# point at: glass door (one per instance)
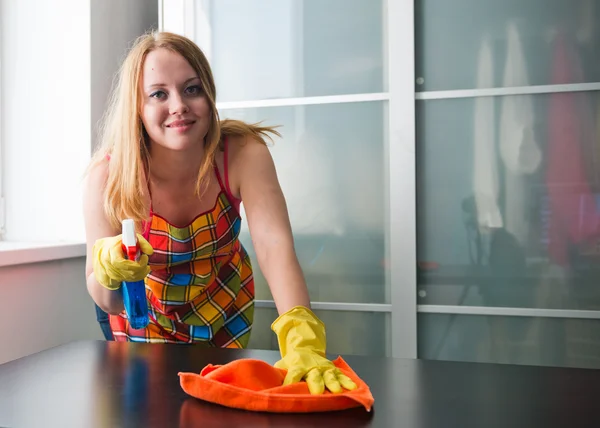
(508, 183)
(441, 164)
(321, 70)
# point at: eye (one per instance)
(193, 90)
(158, 94)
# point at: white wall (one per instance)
(54, 87)
(44, 305)
(114, 26)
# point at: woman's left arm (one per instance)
(300, 333)
(270, 229)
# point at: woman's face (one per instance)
(174, 108)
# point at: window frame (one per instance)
(2, 200)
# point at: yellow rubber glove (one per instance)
(301, 337)
(110, 265)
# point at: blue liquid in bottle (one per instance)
(136, 306)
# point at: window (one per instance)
(2, 203)
(484, 171)
(321, 70)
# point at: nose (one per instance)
(177, 105)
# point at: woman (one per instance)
(168, 162)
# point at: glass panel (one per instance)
(306, 48)
(348, 333)
(509, 201)
(330, 164)
(520, 43)
(512, 340)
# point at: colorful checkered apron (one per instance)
(200, 288)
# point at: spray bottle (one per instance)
(134, 293)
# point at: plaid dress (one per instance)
(201, 287)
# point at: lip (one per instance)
(180, 124)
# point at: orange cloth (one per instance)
(254, 385)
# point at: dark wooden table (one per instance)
(106, 384)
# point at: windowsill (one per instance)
(17, 253)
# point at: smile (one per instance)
(180, 124)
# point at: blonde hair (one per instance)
(124, 139)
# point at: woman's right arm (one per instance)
(96, 227)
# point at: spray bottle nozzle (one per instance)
(129, 240)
